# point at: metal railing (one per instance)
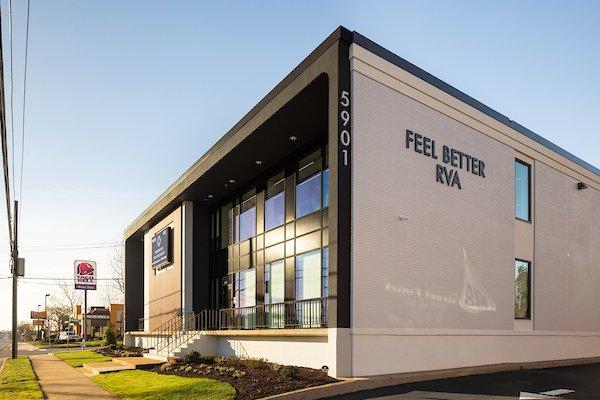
(165, 331)
(311, 313)
(296, 314)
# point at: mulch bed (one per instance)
(252, 379)
(121, 351)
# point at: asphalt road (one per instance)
(579, 382)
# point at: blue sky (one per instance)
(124, 96)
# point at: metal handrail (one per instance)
(311, 313)
(170, 330)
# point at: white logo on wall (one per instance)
(85, 275)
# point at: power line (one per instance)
(62, 279)
(12, 123)
(38, 246)
(24, 102)
(3, 139)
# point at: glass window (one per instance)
(326, 188)
(522, 290)
(308, 275)
(325, 273)
(275, 282)
(247, 218)
(275, 202)
(226, 231)
(522, 190)
(245, 288)
(308, 189)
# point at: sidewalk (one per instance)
(63, 382)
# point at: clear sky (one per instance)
(124, 96)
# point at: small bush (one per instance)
(195, 358)
(110, 339)
(253, 363)
(288, 371)
(192, 357)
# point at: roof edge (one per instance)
(465, 98)
(340, 33)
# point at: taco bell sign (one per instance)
(85, 275)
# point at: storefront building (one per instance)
(97, 320)
(369, 218)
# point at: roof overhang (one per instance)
(262, 134)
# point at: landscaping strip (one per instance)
(251, 378)
(145, 385)
(77, 358)
(18, 381)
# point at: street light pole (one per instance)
(46, 319)
(37, 320)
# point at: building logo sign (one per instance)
(85, 275)
(452, 160)
(161, 248)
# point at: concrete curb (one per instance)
(352, 385)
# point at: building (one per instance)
(368, 217)
(97, 319)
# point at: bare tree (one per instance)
(26, 331)
(57, 315)
(116, 291)
(68, 295)
(110, 294)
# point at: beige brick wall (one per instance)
(450, 265)
(567, 253)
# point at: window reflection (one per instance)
(247, 218)
(275, 202)
(522, 290)
(522, 190)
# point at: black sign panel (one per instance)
(161, 248)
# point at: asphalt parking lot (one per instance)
(578, 382)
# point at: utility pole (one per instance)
(15, 258)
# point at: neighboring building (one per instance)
(97, 318)
(368, 217)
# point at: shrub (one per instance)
(253, 363)
(192, 357)
(288, 371)
(195, 358)
(110, 339)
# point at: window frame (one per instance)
(529, 292)
(526, 164)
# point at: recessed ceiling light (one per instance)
(293, 138)
(232, 181)
(258, 162)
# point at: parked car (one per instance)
(69, 335)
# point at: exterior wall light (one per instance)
(258, 162)
(293, 138)
(581, 186)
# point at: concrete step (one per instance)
(137, 362)
(156, 357)
(105, 367)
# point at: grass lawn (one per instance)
(18, 382)
(89, 343)
(145, 385)
(77, 358)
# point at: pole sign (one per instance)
(161, 248)
(85, 275)
(38, 315)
